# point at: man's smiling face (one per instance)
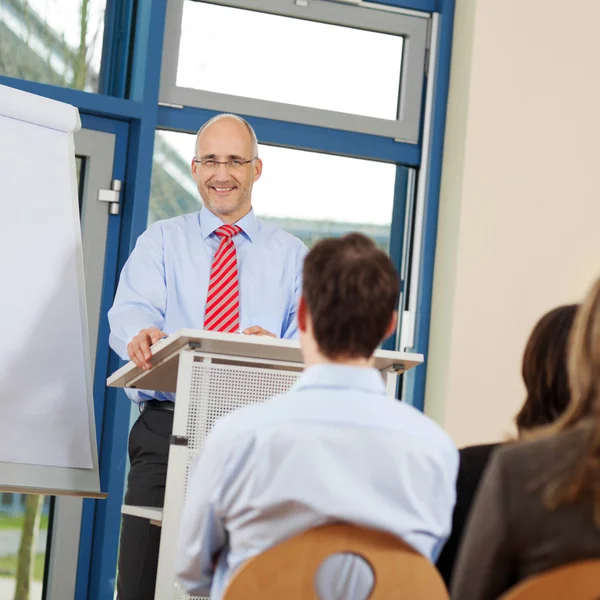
(226, 190)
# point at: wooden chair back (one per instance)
(575, 581)
(289, 569)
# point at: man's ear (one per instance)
(302, 315)
(391, 328)
(258, 168)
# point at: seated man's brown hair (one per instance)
(351, 290)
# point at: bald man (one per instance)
(219, 269)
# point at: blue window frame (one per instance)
(128, 105)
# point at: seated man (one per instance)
(334, 448)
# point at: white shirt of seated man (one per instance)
(335, 448)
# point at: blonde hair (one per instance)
(582, 473)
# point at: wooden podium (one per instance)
(213, 374)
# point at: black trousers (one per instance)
(140, 540)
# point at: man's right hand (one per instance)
(139, 347)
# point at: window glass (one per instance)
(23, 543)
(309, 194)
(52, 41)
(294, 61)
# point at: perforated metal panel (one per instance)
(219, 389)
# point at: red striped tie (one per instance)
(222, 311)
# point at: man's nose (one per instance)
(222, 172)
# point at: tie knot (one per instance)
(228, 231)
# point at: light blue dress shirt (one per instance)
(334, 448)
(165, 280)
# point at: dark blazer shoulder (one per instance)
(474, 459)
(527, 457)
(473, 462)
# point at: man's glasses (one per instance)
(233, 164)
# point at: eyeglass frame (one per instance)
(228, 163)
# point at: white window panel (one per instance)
(326, 64)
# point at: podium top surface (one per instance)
(233, 347)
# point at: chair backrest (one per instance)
(288, 570)
(575, 581)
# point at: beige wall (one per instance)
(519, 227)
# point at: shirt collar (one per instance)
(209, 223)
(342, 376)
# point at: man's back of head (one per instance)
(349, 300)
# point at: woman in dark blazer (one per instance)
(544, 373)
(538, 506)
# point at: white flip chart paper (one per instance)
(45, 375)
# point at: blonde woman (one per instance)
(538, 506)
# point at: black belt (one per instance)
(164, 405)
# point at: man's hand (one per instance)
(256, 330)
(139, 347)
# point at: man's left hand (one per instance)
(256, 330)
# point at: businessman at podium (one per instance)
(220, 269)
